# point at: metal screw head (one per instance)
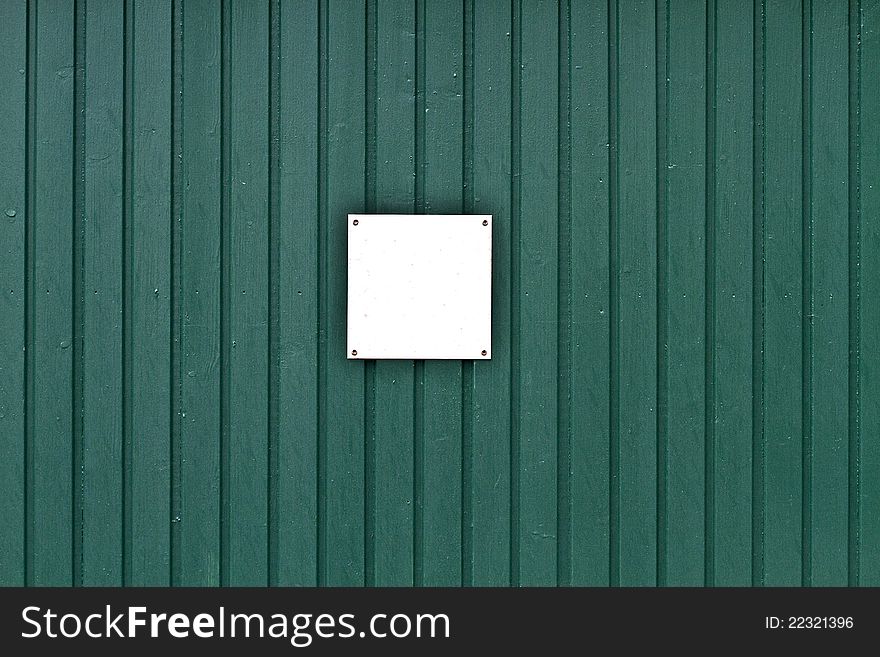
(484, 352)
(354, 352)
(355, 222)
(485, 222)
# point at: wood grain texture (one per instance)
(295, 313)
(147, 293)
(15, 167)
(682, 389)
(635, 252)
(587, 515)
(733, 279)
(829, 311)
(102, 477)
(245, 287)
(864, 39)
(686, 251)
(535, 297)
(783, 289)
(196, 517)
(49, 302)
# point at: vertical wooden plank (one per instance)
(830, 307)
(733, 295)
(589, 295)
(487, 498)
(102, 471)
(197, 458)
(853, 155)
(537, 295)
(868, 135)
(50, 318)
(686, 306)
(807, 300)
(13, 187)
(247, 247)
(759, 238)
(394, 401)
(295, 236)
(783, 284)
(341, 414)
(636, 314)
(442, 175)
(564, 306)
(149, 340)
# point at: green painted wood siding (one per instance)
(685, 387)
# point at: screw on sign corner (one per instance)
(354, 352)
(354, 223)
(485, 223)
(484, 352)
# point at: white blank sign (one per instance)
(419, 286)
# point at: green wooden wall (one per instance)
(685, 387)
